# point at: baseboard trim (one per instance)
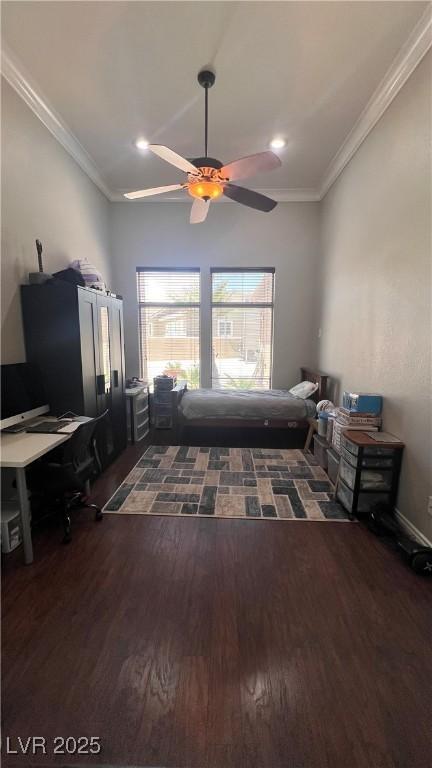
(412, 529)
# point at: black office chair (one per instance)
(62, 480)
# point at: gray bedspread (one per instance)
(244, 404)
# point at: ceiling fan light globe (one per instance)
(205, 190)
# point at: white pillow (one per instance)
(304, 390)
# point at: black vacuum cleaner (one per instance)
(382, 521)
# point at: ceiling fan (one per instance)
(208, 178)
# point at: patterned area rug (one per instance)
(227, 482)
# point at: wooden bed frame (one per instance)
(307, 374)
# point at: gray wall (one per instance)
(45, 194)
(376, 281)
(159, 234)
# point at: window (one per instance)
(225, 328)
(241, 319)
(242, 328)
(169, 324)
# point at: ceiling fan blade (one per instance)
(199, 210)
(172, 157)
(153, 191)
(249, 197)
(250, 165)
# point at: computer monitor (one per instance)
(22, 394)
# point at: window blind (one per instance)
(242, 328)
(169, 323)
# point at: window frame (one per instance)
(170, 304)
(243, 305)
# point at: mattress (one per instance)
(245, 404)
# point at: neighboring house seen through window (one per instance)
(175, 328)
(225, 328)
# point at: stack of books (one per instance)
(348, 419)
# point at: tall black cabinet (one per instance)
(75, 336)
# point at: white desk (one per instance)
(18, 451)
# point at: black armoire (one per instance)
(75, 337)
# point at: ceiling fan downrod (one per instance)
(206, 79)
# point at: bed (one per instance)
(276, 409)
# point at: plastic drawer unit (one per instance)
(138, 423)
(369, 471)
(377, 450)
(363, 501)
(378, 461)
(333, 460)
(162, 402)
(370, 479)
(320, 450)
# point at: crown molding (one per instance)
(402, 67)
(408, 58)
(21, 83)
(281, 195)
(14, 73)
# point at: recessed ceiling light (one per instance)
(277, 143)
(141, 144)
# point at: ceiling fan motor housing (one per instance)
(206, 78)
(207, 162)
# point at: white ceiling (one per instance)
(114, 71)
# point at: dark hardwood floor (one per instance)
(217, 644)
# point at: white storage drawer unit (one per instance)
(138, 422)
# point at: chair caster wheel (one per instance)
(422, 563)
(99, 515)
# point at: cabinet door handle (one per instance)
(116, 378)
(100, 384)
